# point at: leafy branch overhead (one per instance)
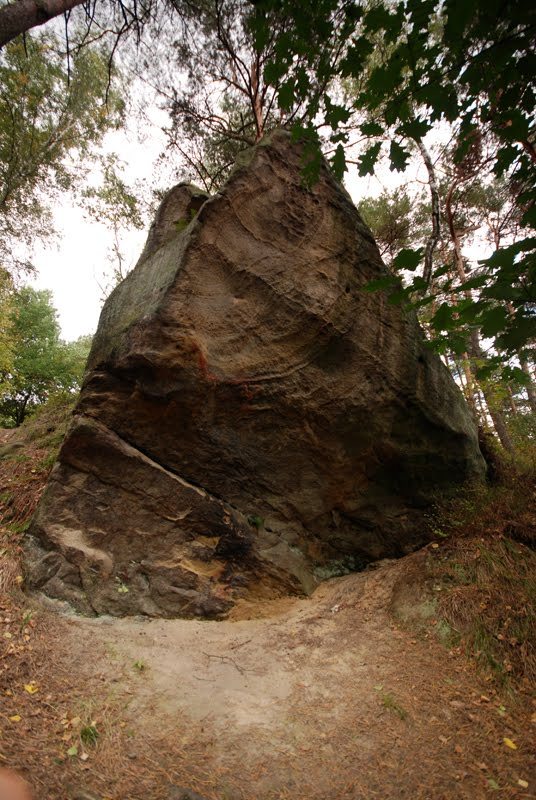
(53, 116)
(407, 70)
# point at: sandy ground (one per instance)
(325, 697)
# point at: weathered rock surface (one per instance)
(251, 420)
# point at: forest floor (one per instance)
(365, 690)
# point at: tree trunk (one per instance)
(531, 394)
(497, 417)
(256, 103)
(436, 219)
(20, 411)
(22, 15)
(511, 399)
(475, 351)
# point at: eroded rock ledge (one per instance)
(251, 420)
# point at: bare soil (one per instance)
(324, 697)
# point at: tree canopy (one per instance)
(53, 115)
(372, 82)
(40, 363)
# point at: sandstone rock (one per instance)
(251, 420)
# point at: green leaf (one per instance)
(371, 129)
(458, 15)
(442, 319)
(384, 80)
(356, 58)
(378, 18)
(407, 258)
(368, 160)
(338, 162)
(518, 335)
(400, 296)
(415, 129)
(398, 157)
(442, 100)
(493, 321)
(418, 284)
(72, 751)
(442, 270)
(473, 283)
(516, 375)
(286, 95)
(335, 113)
(274, 71)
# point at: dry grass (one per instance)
(491, 604)
(486, 570)
(27, 455)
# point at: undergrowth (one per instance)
(27, 454)
(484, 574)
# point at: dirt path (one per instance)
(324, 698)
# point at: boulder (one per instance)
(252, 420)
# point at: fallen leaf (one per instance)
(15, 718)
(482, 766)
(31, 687)
(443, 739)
(523, 784)
(509, 743)
(435, 545)
(19, 579)
(493, 784)
(84, 757)
(458, 748)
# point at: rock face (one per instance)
(251, 420)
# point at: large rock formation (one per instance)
(251, 420)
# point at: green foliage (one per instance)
(6, 330)
(411, 66)
(89, 735)
(393, 222)
(389, 702)
(42, 364)
(113, 202)
(51, 120)
(244, 81)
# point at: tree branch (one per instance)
(22, 15)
